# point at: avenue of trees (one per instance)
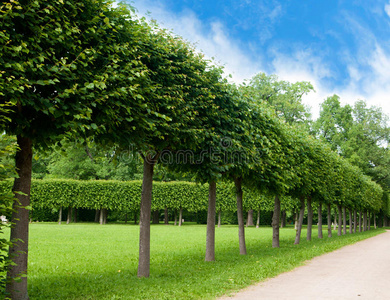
(85, 73)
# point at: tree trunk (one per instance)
(105, 213)
(320, 220)
(18, 252)
(275, 223)
(339, 231)
(344, 220)
(354, 221)
(175, 217)
(219, 218)
(166, 221)
(240, 216)
(360, 221)
(385, 220)
(60, 216)
(69, 218)
(156, 217)
(309, 219)
(180, 216)
(350, 221)
(101, 217)
(258, 219)
(365, 220)
(300, 221)
(335, 219)
(374, 221)
(249, 221)
(136, 213)
(369, 220)
(329, 221)
(210, 238)
(283, 223)
(144, 222)
(296, 220)
(97, 214)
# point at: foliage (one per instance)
(7, 170)
(122, 195)
(285, 97)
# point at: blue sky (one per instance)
(341, 47)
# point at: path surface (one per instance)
(358, 271)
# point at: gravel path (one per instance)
(358, 271)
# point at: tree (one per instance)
(68, 67)
(334, 122)
(284, 96)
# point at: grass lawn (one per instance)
(90, 261)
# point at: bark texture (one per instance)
(249, 221)
(275, 223)
(300, 221)
(320, 220)
(166, 220)
(97, 214)
(360, 221)
(69, 218)
(365, 221)
(309, 219)
(369, 220)
(18, 252)
(144, 222)
(60, 216)
(339, 230)
(180, 216)
(210, 238)
(350, 221)
(136, 213)
(283, 222)
(101, 216)
(344, 220)
(329, 221)
(258, 219)
(240, 216)
(156, 217)
(354, 220)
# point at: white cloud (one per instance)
(387, 9)
(368, 79)
(212, 39)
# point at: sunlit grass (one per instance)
(89, 261)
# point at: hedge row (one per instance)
(126, 195)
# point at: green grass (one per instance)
(89, 261)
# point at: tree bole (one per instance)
(329, 220)
(320, 220)
(309, 219)
(210, 237)
(300, 221)
(240, 216)
(144, 222)
(18, 252)
(275, 223)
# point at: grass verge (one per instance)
(89, 261)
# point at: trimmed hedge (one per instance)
(124, 195)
